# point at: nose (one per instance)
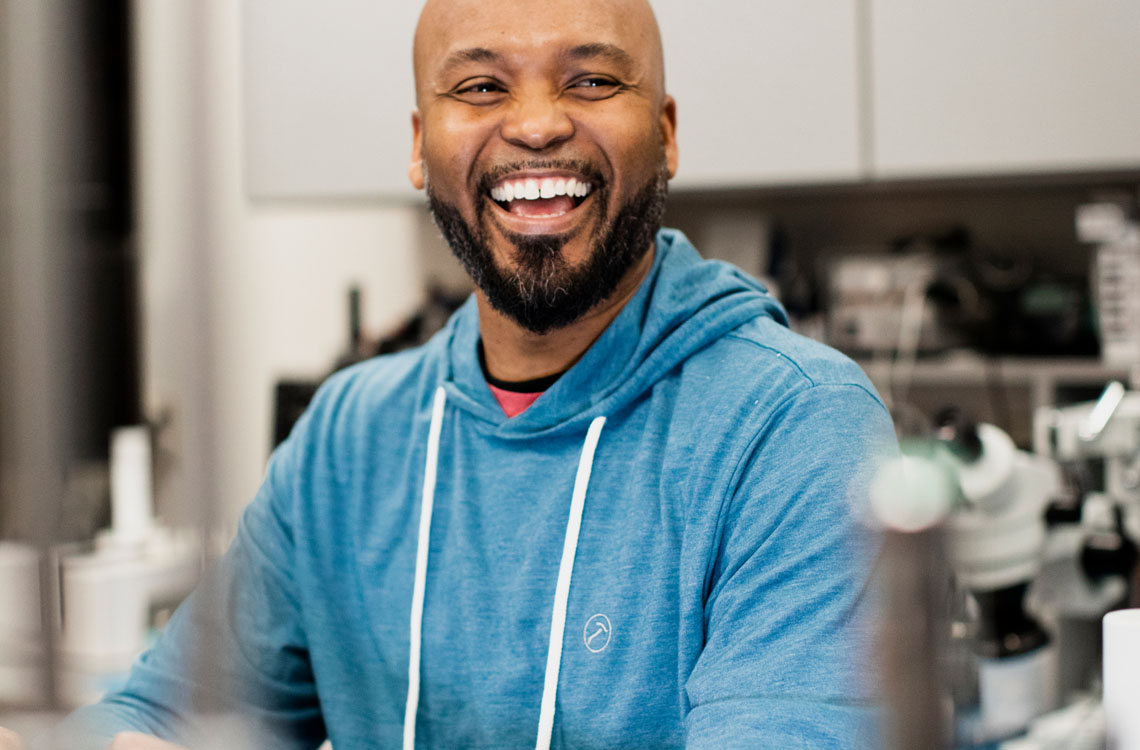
(536, 121)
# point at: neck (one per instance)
(515, 354)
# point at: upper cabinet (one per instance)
(766, 91)
(961, 87)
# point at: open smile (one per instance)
(539, 203)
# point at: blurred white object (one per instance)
(987, 483)
(19, 590)
(132, 487)
(1108, 429)
(997, 536)
(1077, 726)
(111, 599)
(911, 493)
(1016, 690)
(21, 679)
(1122, 678)
(1106, 221)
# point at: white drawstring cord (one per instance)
(413, 704)
(562, 590)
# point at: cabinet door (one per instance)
(766, 91)
(1002, 86)
(328, 97)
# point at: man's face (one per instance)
(545, 140)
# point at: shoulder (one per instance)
(776, 365)
(368, 400)
(384, 381)
(762, 401)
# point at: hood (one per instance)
(683, 304)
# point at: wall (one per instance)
(237, 294)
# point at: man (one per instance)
(612, 504)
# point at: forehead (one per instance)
(507, 28)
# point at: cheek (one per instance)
(450, 148)
(634, 154)
(631, 142)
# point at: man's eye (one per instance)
(595, 87)
(478, 90)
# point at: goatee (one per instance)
(543, 292)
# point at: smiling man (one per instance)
(612, 504)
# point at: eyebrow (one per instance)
(612, 52)
(469, 55)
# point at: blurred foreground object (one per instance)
(9, 741)
(1122, 678)
(910, 499)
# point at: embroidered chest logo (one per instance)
(596, 634)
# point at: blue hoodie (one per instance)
(662, 551)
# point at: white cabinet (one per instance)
(1004, 86)
(766, 91)
(769, 92)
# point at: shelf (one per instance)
(1004, 390)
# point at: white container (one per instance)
(1015, 690)
(21, 648)
(19, 590)
(105, 606)
(1122, 678)
(132, 486)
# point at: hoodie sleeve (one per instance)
(233, 661)
(787, 613)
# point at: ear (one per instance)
(416, 167)
(668, 123)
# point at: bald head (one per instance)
(451, 31)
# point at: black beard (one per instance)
(543, 292)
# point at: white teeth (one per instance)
(535, 189)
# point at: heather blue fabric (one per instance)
(719, 548)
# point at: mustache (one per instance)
(499, 171)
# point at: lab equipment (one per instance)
(996, 664)
(997, 534)
(1107, 430)
(1115, 277)
(1092, 559)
